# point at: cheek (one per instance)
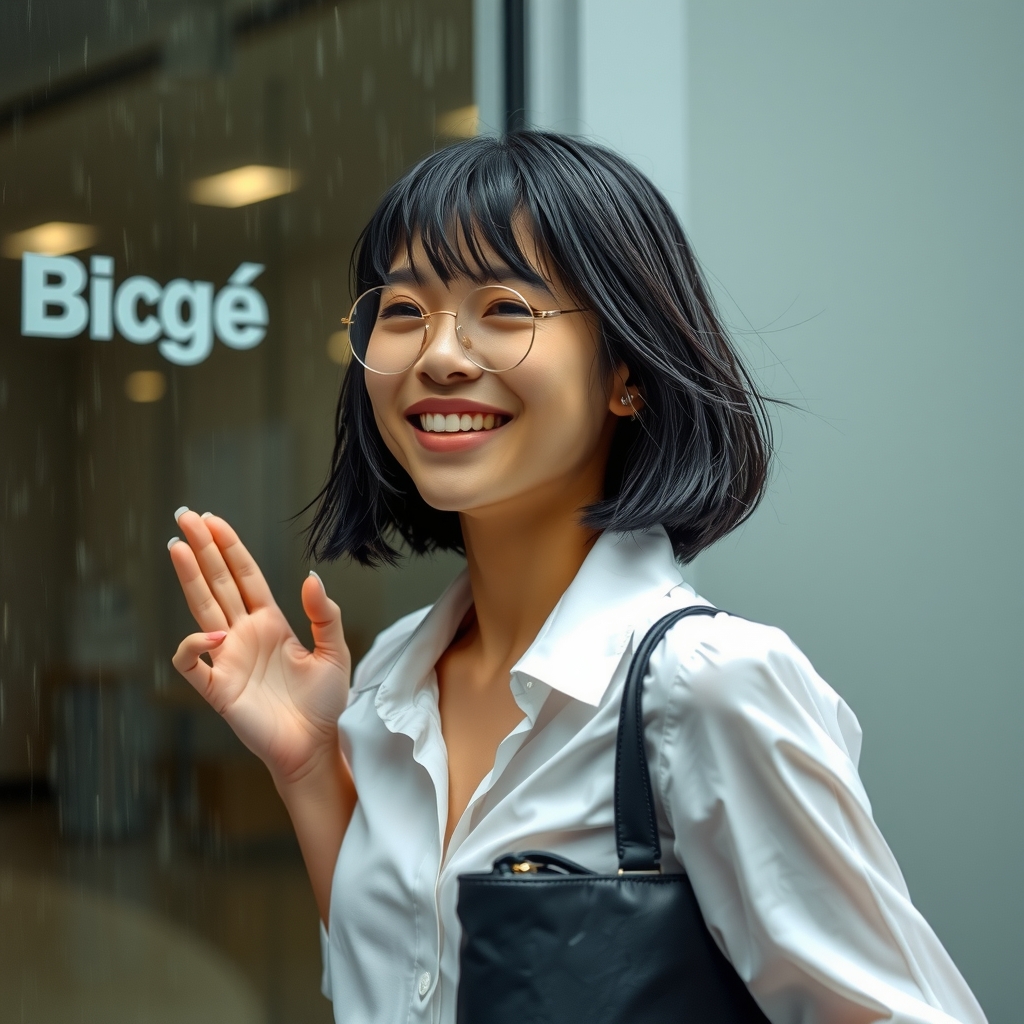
(377, 387)
(383, 394)
(566, 405)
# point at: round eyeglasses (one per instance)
(495, 325)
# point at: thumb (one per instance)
(325, 621)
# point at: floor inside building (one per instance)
(152, 930)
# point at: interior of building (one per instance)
(135, 824)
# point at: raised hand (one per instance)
(281, 699)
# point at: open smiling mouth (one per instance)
(454, 423)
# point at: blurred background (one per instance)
(850, 177)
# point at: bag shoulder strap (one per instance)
(636, 824)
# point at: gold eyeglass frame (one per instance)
(538, 314)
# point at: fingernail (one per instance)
(316, 576)
(216, 636)
(206, 515)
(177, 515)
(172, 542)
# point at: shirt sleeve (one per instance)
(758, 777)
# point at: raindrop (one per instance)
(339, 37)
(81, 557)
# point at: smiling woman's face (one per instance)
(554, 413)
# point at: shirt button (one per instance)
(424, 983)
(529, 684)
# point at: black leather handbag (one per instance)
(545, 940)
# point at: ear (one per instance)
(625, 398)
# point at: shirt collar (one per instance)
(582, 642)
(412, 670)
(579, 647)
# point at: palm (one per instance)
(281, 699)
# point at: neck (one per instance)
(521, 559)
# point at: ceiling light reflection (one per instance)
(244, 185)
(55, 238)
(145, 386)
(338, 349)
(461, 123)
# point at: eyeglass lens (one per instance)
(494, 325)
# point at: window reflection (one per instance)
(146, 864)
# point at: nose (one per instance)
(442, 357)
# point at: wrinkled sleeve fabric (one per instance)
(758, 777)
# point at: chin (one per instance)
(445, 500)
(455, 493)
(456, 488)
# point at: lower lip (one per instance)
(456, 441)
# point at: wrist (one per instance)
(320, 799)
(322, 768)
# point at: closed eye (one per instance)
(508, 307)
(396, 308)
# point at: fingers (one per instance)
(325, 622)
(248, 578)
(187, 661)
(211, 562)
(202, 604)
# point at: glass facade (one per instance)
(181, 189)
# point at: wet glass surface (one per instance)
(190, 181)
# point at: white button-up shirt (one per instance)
(753, 763)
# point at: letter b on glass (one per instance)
(51, 296)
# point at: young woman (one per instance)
(541, 381)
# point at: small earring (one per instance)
(627, 399)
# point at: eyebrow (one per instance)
(500, 275)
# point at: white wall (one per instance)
(856, 182)
(851, 178)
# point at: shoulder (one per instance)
(386, 647)
(748, 677)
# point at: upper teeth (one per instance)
(438, 421)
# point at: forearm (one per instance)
(320, 805)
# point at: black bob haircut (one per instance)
(695, 460)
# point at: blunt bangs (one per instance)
(457, 210)
(695, 460)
